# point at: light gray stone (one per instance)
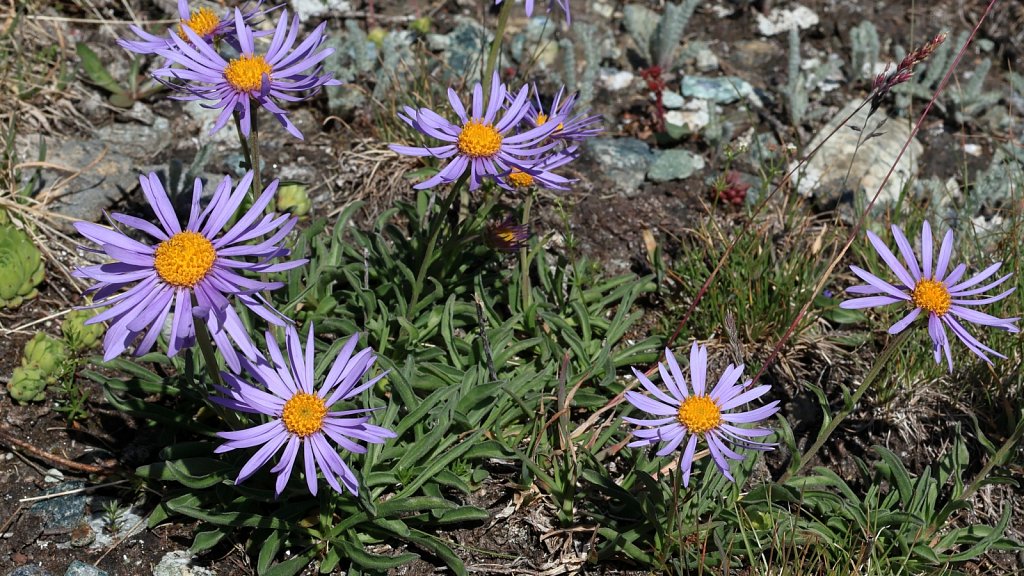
(781, 20)
(672, 100)
(136, 140)
(179, 563)
(622, 162)
(307, 9)
(615, 80)
(79, 568)
(693, 116)
(721, 90)
(86, 177)
(867, 155)
(674, 164)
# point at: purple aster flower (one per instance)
(693, 413)
(572, 128)
(301, 416)
(188, 273)
(940, 292)
(264, 79)
(481, 142)
(539, 173)
(563, 4)
(203, 21)
(507, 235)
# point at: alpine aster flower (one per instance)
(188, 273)
(280, 74)
(507, 235)
(480, 143)
(694, 413)
(539, 174)
(203, 21)
(563, 4)
(300, 415)
(939, 293)
(573, 128)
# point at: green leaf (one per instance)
(95, 70)
(897, 473)
(462, 514)
(440, 549)
(372, 561)
(292, 566)
(206, 540)
(269, 546)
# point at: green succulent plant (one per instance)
(45, 353)
(27, 384)
(21, 267)
(293, 198)
(79, 336)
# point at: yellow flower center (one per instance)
(699, 414)
(304, 414)
(246, 72)
(479, 140)
(508, 236)
(184, 259)
(933, 296)
(519, 179)
(542, 119)
(203, 22)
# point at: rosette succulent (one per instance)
(45, 353)
(27, 385)
(80, 336)
(21, 267)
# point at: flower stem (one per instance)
(492, 56)
(435, 231)
(999, 456)
(876, 368)
(524, 254)
(206, 347)
(251, 152)
(254, 149)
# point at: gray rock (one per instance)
(179, 563)
(467, 42)
(674, 164)
(721, 90)
(672, 100)
(206, 118)
(706, 60)
(783, 19)
(79, 568)
(539, 33)
(136, 140)
(62, 511)
(29, 570)
(315, 8)
(92, 176)
(615, 80)
(621, 161)
(824, 177)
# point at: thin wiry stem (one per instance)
(881, 360)
(855, 232)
